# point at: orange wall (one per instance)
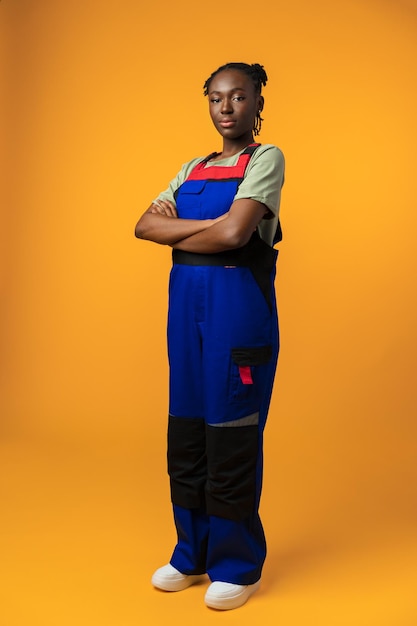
(104, 102)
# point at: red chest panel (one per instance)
(219, 172)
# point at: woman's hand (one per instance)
(164, 207)
(157, 225)
(221, 218)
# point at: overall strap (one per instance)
(202, 171)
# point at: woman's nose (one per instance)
(226, 106)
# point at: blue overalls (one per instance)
(223, 347)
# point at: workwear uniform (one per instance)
(223, 347)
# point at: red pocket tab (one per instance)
(245, 374)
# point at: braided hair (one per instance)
(255, 72)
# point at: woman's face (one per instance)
(233, 104)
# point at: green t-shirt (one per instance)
(263, 180)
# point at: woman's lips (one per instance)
(227, 123)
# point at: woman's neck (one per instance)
(232, 147)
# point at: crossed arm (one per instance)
(160, 223)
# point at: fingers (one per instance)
(164, 207)
(221, 218)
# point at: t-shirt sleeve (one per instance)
(182, 175)
(264, 178)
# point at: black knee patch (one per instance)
(187, 463)
(232, 454)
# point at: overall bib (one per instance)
(223, 348)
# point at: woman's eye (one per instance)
(215, 100)
(239, 98)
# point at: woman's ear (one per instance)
(260, 103)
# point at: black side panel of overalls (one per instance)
(187, 465)
(232, 454)
(261, 259)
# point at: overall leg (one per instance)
(239, 369)
(187, 464)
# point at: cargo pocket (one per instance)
(247, 379)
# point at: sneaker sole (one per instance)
(231, 602)
(176, 585)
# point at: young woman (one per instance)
(220, 216)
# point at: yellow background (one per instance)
(101, 103)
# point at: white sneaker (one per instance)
(229, 596)
(168, 578)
